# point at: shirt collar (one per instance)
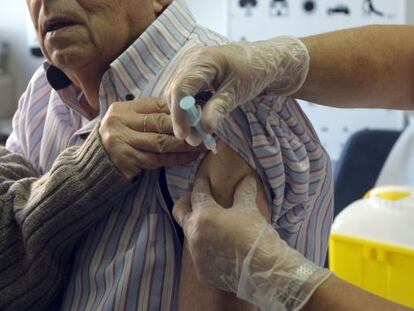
(131, 72)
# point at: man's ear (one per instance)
(160, 5)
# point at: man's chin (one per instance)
(70, 58)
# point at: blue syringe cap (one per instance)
(188, 104)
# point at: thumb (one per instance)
(216, 109)
(246, 193)
(193, 139)
(201, 197)
(182, 210)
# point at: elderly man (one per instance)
(86, 176)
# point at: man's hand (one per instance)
(138, 135)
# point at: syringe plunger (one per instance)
(188, 104)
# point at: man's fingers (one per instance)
(159, 143)
(149, 105)
(182, 210)
(246, 193)
(150, 123)
(126, 161)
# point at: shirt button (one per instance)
(84, 136)
(129, 97)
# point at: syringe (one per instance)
(188, 104)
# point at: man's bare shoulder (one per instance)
(225, 170)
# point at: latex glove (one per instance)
(238, 251)
(236, 74)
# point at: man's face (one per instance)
(77, 33)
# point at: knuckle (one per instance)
(114, 108)
(110, 138)
(159, 105)
(111, 119)
(163, 123)
(162, 143)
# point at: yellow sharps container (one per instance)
(372, 244)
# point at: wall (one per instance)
(13, 29)
(13, 23)
(211, 13)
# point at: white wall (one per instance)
(211, 13)
(13, 30)
(13, 23)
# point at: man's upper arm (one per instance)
(272, 140)
(224, 171)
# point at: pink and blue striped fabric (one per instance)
(131, 259)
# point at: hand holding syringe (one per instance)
(193, 112)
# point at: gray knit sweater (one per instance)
(42, 219)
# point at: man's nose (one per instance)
(39, 2)
(34, 5)
(35, 2)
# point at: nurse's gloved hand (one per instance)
(238, 251)
(236, 73)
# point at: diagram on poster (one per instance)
(248, 5)
(278, 17)
(369, 8)
(279, 8)
(339, 9)
(309, 6)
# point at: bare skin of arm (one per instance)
(338, 295)
(224, 171)
(370, 67)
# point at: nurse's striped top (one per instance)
(130, 260)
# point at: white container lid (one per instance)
(386, 216)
